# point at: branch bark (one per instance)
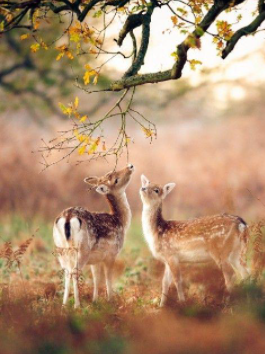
(244, 31)
(176, 71)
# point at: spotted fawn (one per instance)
(82, 237)
(220, 238)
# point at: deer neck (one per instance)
(153, 219)
(119, 207)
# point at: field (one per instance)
(32, 320)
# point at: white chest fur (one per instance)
(147, 229)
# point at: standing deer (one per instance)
(82, 237)
(221, 238)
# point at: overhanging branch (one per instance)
(182, 50)
(244, 31)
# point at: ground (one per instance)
(32, 320)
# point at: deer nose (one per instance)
(130, 166)
(143, 189)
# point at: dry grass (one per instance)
(32, 320)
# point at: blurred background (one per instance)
(210, 142)
(210, 135)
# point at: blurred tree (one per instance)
(77, 36)
(33, 74)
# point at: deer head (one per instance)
(114, 182)
(153, 194)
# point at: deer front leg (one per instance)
(173, 264)
(166, 282)
(67, 283)
(95, 269)
(108, 270)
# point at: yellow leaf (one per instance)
(86, 78)
(82, 150)
(88, 67)
(24, 36)
(92, 149)
(36, 25)
(83, 119)
(35, 47)
(75, 37)
(94, 146)
(59, 56)
(198, 19)
(81, 138)
(175, 55)
(76, 102)
(69, 54)
(2, 26)
(147, 132)
(64, 109)
(77, 115)
(93, 51)
(193, 63)
(174, 19)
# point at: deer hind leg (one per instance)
(76, 289)
(67, 284)
(240, 265)
(242, 269)
(229, 273)
(227, 270)
(239, 261)
(173, 264)
(95, 269)
(166, 282)
(108, 270)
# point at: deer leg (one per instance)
(108, 270)
(76, 290)
(166, 282)
(67, 283)
(95, 269)
(228, 273)
(241, 268)
(173, 264)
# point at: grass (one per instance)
(32, 320)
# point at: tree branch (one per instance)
(182, 50)
(139, 59)
(244, 31)
(133, 21)
(88, 7)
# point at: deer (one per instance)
(220, 238)
(82, 237)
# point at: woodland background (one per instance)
(210, 143)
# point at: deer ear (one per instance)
(92, 181)
(144, 181)
(167, 189)
(102, 189)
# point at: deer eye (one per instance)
(156, 190)
(116, 180)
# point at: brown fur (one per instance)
(100, 236)
(219, 238)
